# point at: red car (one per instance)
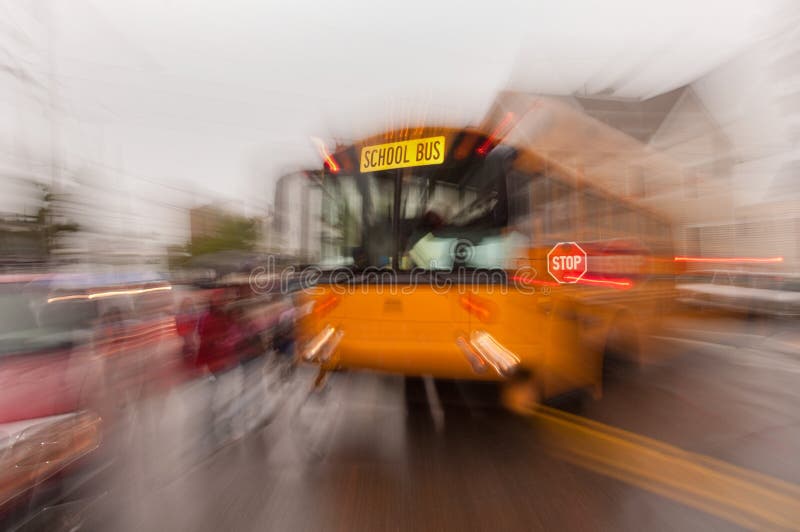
(72, 348)
(45, 372)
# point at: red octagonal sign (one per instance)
(566, 262)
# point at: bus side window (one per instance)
(538, 193)
(655, 229)
(627, 222)
(560, 215)
(664, 232)
(339, 228)
(594, 221)
(652, 228)
(519, 202)
(604, 221)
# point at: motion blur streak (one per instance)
(319, 342)
(731, 260)
(496, 135)
(55, 443)
(532, 282)
(331, 163)
(476, 307)
(738, 495)
(614, 283)
(501, 359)
(110, 294)
(302, 265)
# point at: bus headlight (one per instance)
(322, 346)
(504, 362)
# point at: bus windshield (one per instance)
(434, 217)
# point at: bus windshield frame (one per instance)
(375, 219)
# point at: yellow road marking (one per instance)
(739, 495)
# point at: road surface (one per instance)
(712, 431)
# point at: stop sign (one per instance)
(566, 262)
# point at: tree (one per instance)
(51, 219)
(232, 233)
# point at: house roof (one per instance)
(639, 119)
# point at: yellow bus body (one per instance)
(558, 332)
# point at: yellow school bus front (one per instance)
(488, 331)
(470, 315)
(397, 330)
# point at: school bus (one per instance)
(431, 254)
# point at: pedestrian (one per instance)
(186, 323)
(217, 357)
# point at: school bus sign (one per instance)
(567, 262)
(404, 154)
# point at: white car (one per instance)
(747, 292)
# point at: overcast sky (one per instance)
(223, 96)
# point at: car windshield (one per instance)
(37, 316)
(28, 323)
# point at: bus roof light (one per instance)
(329, 161)
(495, 136)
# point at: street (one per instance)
(301, 266)
(360, 459)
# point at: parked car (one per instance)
(131, 320)
(47, 429)
(752, 293)
(75, 349)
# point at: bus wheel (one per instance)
(521, 394)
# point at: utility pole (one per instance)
(55, 156)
